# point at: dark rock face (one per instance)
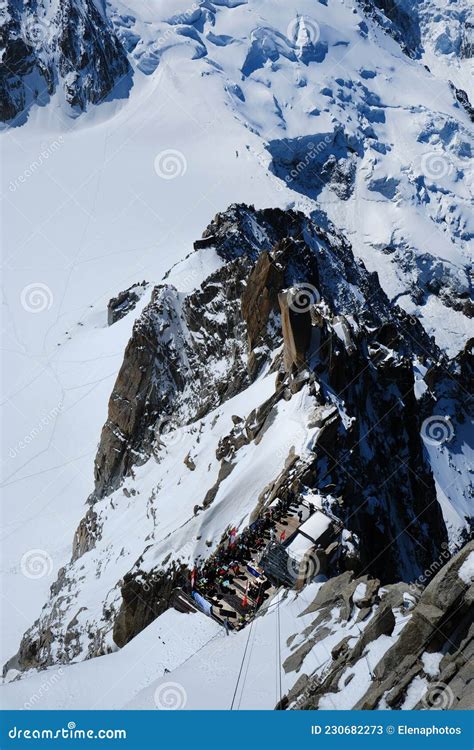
(309, 163)
(463, 100)
(260, 296)
(388, 504)
(73, 51)
(169, 361)
(124, 302)
(129, 406)
(144, 598)
(392, 16)
(86, 534)
(20, 66)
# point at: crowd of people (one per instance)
(216, 578)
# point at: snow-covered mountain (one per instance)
(439, 34)
(312, 347)
(63, 46)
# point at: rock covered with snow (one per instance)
(404, 657)
(289, 356)
(58, 45)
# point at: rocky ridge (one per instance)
(67, 46)
(290, 307)
(429, 664)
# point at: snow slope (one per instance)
(118, 678)
(187, 662)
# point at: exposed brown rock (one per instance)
(260, 297)
(296, 329)
(189, 462)
(144, 598)
(85, 536)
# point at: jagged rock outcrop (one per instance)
(169, 362)
(124, 302)
(393, 17)
(290, 303)
(67, 46)
(431, 655)
(463, 100)
(86, 535)
(144, 598)
(309, 163)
